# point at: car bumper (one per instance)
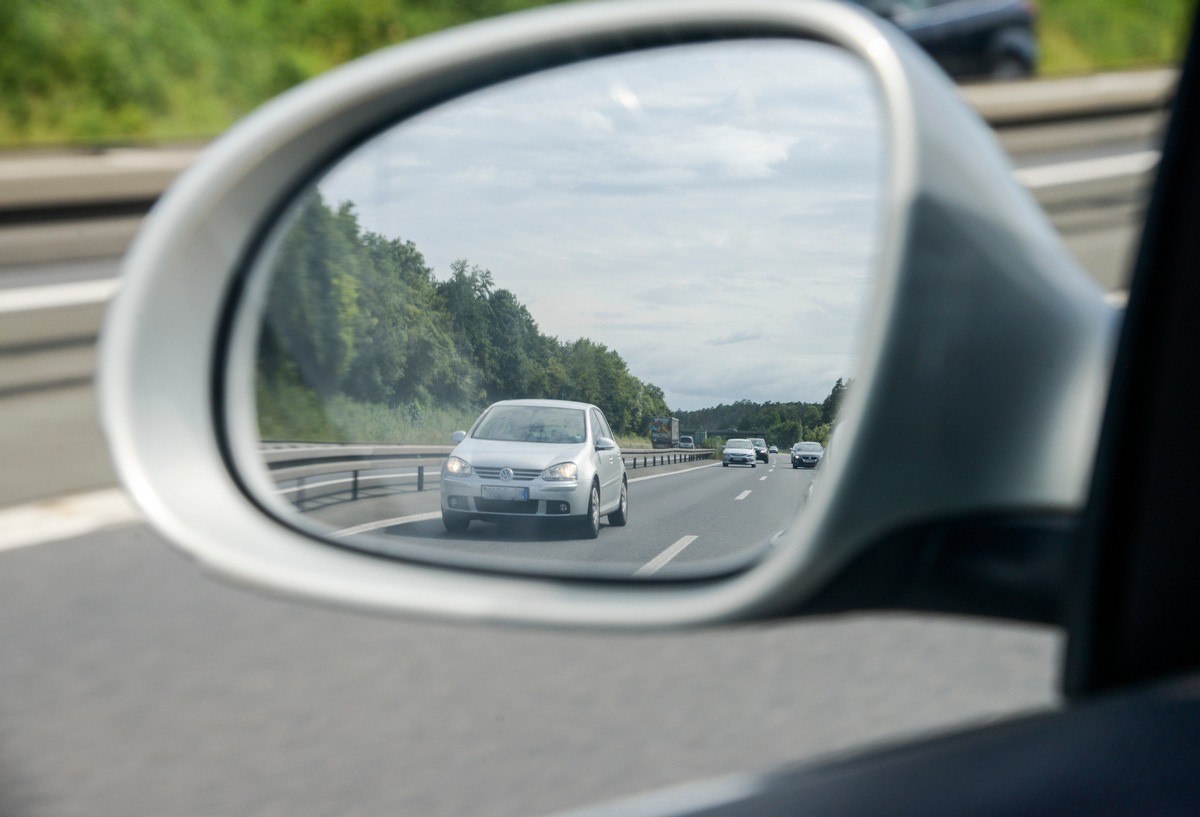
(802, 462)
(740, 459)
(479, 498)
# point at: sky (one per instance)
(709, 211)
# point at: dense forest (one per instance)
(360, 343)
(781, 423)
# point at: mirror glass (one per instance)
(574, 323)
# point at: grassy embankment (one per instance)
(292, 413)
(82, 72)
(1106, 35)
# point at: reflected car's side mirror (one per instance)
(605, 444)
(978, 386)
(457, 437)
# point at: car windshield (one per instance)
(738, 444)
(812, 448)
(532, 424)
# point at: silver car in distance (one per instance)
(739, 452)
(536, 458)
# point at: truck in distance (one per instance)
(664, 432)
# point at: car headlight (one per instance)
(457, 467)
(562, 471)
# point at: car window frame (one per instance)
(1133, 603)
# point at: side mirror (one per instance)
(605, 444)
(457, 437)
(949, 427)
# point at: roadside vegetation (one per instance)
(781, 424)
(1105, 35)
(82, 72)
(361, 343)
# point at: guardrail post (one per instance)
(420, 477)
(354, 487)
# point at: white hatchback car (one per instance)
(536, 458)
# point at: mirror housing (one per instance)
(457, 437)
(605, 444)
(956, 416)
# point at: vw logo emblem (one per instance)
(506, 473)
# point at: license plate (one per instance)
(504, 492)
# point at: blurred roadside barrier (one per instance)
(63, 205)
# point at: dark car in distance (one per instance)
(807, 455)
(760, 449)
(968, 38)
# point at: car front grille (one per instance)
(519, 474)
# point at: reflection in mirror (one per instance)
(578, 322)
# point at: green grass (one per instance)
(293, 413)
(1080, 37)
(119, 71)
(102, 71)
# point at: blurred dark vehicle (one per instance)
(968, 38)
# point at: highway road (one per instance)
(132, 684)
(686, 520)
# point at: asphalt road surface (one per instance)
(132, 684)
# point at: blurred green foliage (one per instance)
(95, 71)
(104, 71)
(1101, 35)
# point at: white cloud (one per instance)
(709, 211)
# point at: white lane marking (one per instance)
(367, 527)
(76, 293)
(656, 564)
(51, 520)
(742, 495)
(674, 473)
(1087, 170)
(760, 479)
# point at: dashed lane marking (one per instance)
(51, 520)
(742, 495)
(656, 564)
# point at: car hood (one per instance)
(501, 453)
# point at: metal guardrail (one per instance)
(346, 470)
